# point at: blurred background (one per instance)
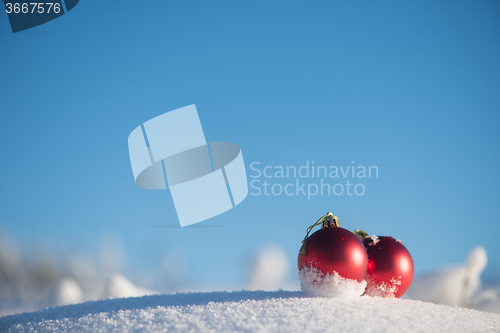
(409, 87)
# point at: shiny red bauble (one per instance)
(334, 249)
(390, 267)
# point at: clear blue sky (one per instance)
(411, 87)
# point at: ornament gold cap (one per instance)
(330, 220)
(361, 234)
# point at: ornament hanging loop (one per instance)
(328, 220)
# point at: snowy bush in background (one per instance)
(38, 280)
(269, 269)
(460, 285)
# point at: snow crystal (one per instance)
(382, 289)
(315, 283)
(375, 240)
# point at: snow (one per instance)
(68, 292)
(315, 284)
(269, 269)
(486, 300)
(375, 239)
(383, 289)
(25, 287)
(342, 310)
(42, 279)
(460, 285)
(119, 287)
(252, 311)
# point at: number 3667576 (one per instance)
(33, 7)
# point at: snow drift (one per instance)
(257, 311)
(315, 283)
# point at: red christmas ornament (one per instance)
(390, 266)
(333, 249)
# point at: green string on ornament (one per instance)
(327, 220)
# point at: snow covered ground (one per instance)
(450, 299)
(257, 311)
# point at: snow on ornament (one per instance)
(390, 266)
(332, 261)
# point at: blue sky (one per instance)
(411, 87)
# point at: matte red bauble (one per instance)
(334, 249)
